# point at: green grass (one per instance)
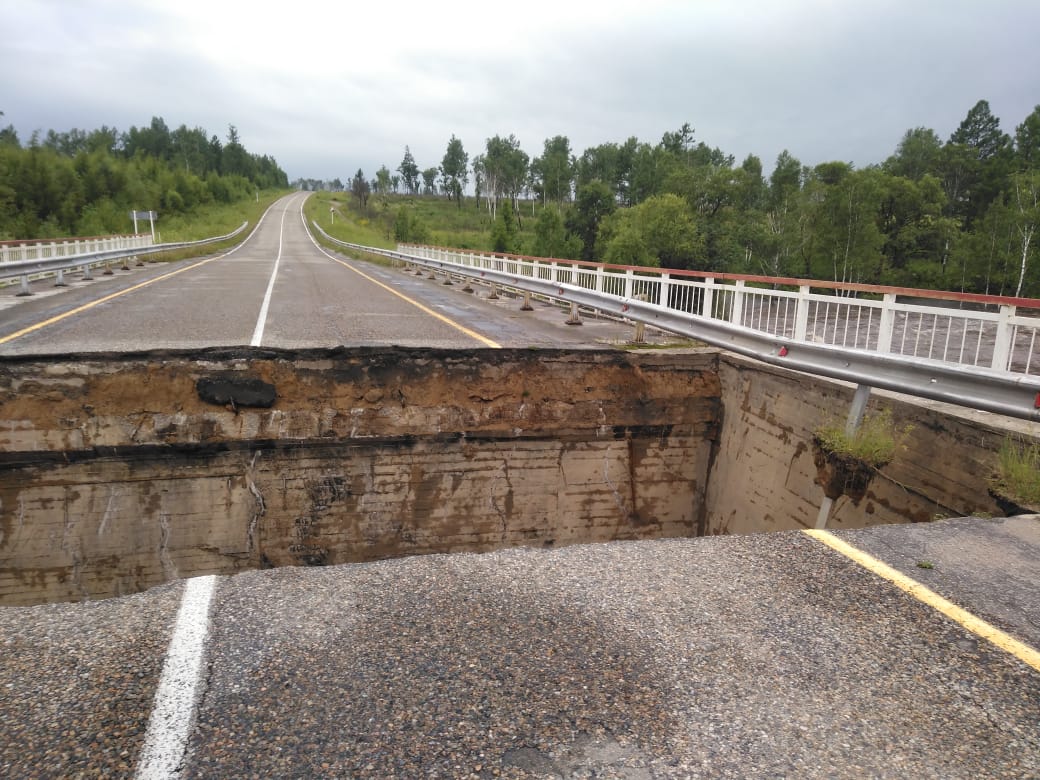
(875, 442)
(215, 219)
(1019, 472)
(468, 227)
(345, 222)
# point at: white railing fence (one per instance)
(15, 251)
(990, 332)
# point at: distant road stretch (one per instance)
(277, 289)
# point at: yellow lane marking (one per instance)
(1020, 650)
(471, 333)
(99, 301)
(446, 320)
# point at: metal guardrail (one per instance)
(24, 269)
(13, 251)
(782, 328)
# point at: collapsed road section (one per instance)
(122, 471)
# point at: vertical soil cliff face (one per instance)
(118, 472)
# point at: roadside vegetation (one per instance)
(420, 219)
(1018, 476)
(960, 214)
(957, 214)
(217, 219)
(81, 183)
(875, 443)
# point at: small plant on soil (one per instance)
(1018, 473)
(874, 443)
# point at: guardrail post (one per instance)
(737, 312)
(708, 299)
(108, 268)
(575, 317)
(87, 275)
(25, 286)
(801, 313)
(527, 302)
(665, 292)
(1002, 347)
(639, 337)
(888, 323)
(60, 280)
(493, 295)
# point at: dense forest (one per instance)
(959, 215)
(80, 183)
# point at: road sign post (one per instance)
(151, 216)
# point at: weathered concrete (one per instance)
(117, 475)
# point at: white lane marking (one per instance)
(174, 709)
(258, 332)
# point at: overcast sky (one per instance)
(328, 87)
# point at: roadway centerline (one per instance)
(926, 595)
(261, 321)
(173, 712)
(425, 309)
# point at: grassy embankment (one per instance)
(468, 227)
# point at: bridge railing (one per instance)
(36, 268)
(14, 251)
(782, 322)
(998, 333)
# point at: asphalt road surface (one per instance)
(767, 655)
(277, 289)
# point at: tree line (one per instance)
(959, 214)
(86, 182)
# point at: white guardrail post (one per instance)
(708, 301)
(737, 312)
(801, 313)
(1002, 348)
(888, 323)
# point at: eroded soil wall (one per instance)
(764, 476)
(119, 472)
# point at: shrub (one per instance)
(1018, 475)
(875, 442)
